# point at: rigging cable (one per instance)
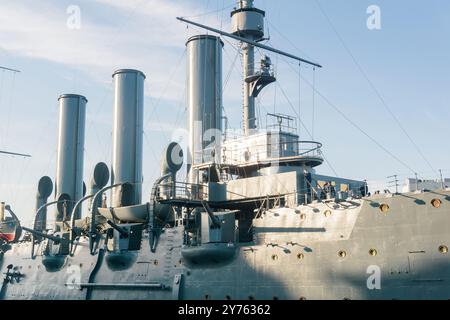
(288, 40)
(160, 98)
(233, 64)
(313, 100)
(327, 101)
(221, 14)
(1, 95)
(275, 92)
(371, 84)
(299, 96)
(210, 12)
(304, 127)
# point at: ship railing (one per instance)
(270, 151)
(182, 191)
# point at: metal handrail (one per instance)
(183, 190)
(94, 211)
(38, 211)
(267, 148)
(277, 150)
(72, 219)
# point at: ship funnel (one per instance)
(45, 189)
(204, 83)
(99, 180)
(127, 137)
(172, 159)
(69, 170)
(171, 163)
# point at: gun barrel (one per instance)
(56, 240)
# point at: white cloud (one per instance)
(132, 34)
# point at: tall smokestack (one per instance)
(69, 170)
(127, 137)
(204, 83)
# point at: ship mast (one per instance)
(248, 29)
(248, 23)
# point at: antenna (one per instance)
(417, 181)
(442, 179)
(7, 152)
(15, 154)
(9, 69)
(394, 182)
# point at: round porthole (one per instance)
(443, 249)
(342, 254)
(300, 256)
(274, 257)
(436, 203)
(303, 216)
(373, 252)
(302, 298)
(327, 213)
(384, 208)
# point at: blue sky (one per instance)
(407, 62)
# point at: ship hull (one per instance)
(8, 230)
(351, 250)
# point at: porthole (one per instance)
(436, 203)
(251, 298)
(300, 256)
(327, 213)
(443, 249)
(373, 252)
(303, 216)
(206, 296)
(302, 298)
(384, 208)
(342, 254)
(227, 297)
(155, 262)
(274, 257)
(275, 298)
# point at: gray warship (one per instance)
(253, 220)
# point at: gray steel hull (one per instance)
(289, 261)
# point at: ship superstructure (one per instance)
(253, 220)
